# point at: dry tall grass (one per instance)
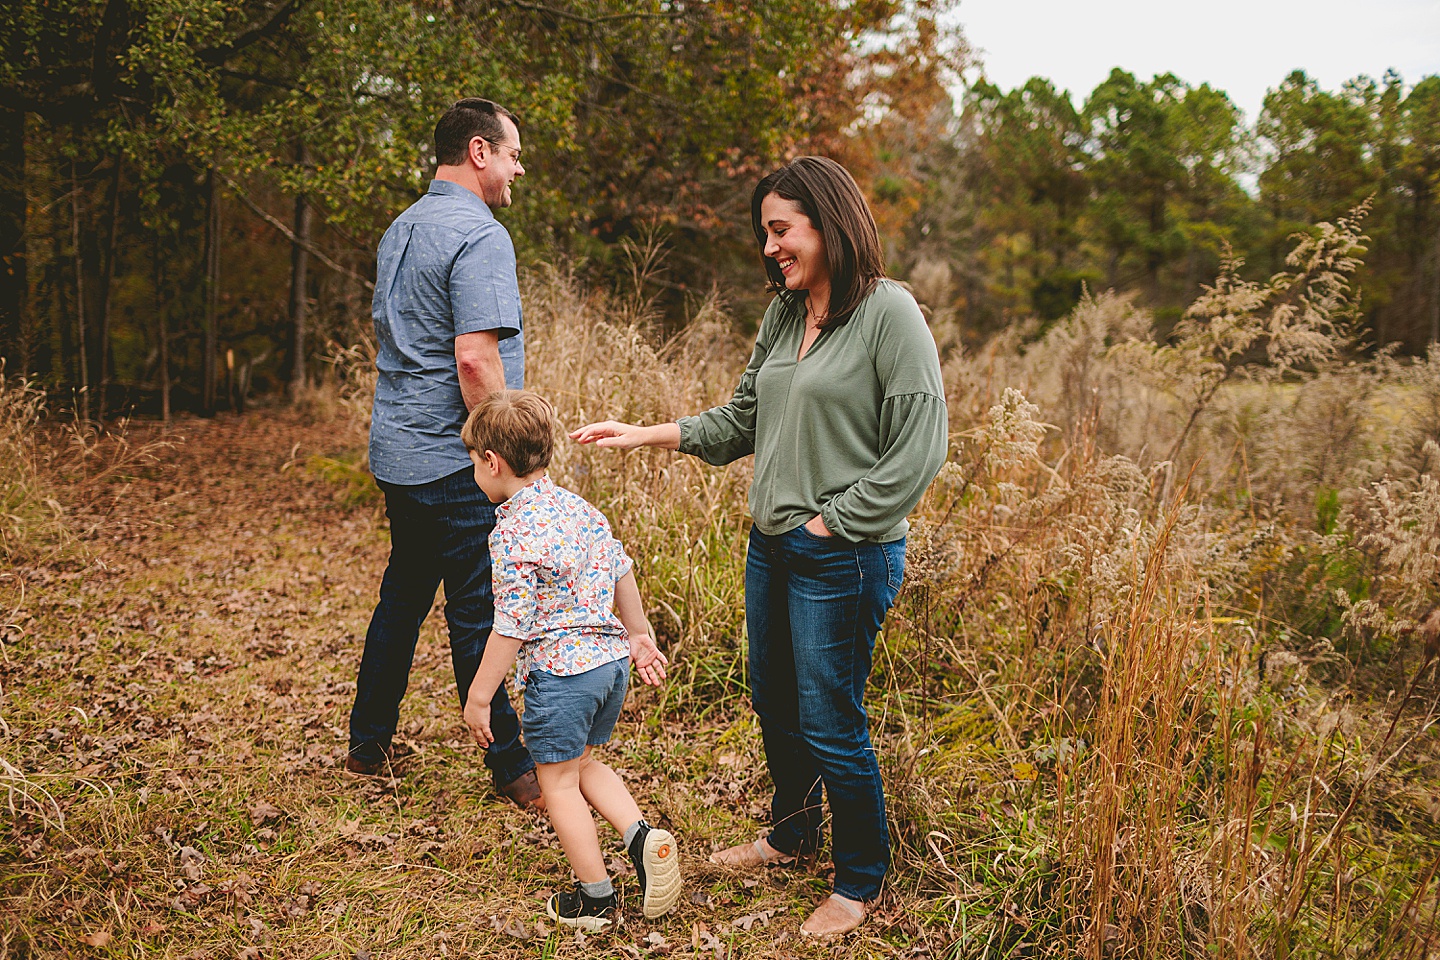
(30, 517)
(1162, 679)
(1133, 699)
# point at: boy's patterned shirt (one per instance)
(555, 566)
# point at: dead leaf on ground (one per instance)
(761, 917)
(100, 938)
(191, 863)
(264, 812)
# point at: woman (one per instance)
(843, 407)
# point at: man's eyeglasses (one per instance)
(514, 153)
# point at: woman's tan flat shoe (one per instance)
(834, 916)
(748, 856)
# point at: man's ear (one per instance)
(478, 155)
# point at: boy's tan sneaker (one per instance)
(836, 915)
(657, 867)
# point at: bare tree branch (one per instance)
(290, 234)
(272, 25)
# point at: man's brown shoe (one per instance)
(524, 792)
(381, 768)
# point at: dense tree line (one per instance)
(191, 190)
(1146, 184)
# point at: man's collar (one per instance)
(452, 189)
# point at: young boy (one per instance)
(567, 604)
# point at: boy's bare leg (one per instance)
(606, 792)
(570, 816)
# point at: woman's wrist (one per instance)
(663, 435)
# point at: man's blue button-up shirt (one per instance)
(445, 267)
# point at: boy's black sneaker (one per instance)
(657, 867)
(575, 908)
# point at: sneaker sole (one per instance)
(588, 924)
(662, 874)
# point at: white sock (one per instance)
(597, 890)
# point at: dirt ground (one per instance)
(176, 689)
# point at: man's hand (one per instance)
(649, 662)
(477, 718)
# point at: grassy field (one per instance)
(175, 713)
(1130, 704)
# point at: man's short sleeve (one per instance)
(484, 294)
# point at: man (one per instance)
(448, 329)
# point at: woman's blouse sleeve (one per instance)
(727, 433)
(914, 429)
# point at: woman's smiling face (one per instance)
(792, 241)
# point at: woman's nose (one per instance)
(771, 247)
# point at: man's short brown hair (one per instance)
(519, 426)
(464, 121)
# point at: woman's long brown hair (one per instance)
(829, 196)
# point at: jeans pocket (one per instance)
(830, 541)
(894, 563)
(830, 563)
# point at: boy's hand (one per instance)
(477, 718)
(649, 662)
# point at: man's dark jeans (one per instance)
(439, 531)
(813, 606)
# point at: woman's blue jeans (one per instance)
(813, 608)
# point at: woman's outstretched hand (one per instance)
(628, 436)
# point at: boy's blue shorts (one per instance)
(563, 715)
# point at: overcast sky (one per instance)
(1243, 47)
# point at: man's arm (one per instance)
(477, 358)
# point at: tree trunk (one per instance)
(106, 281)
(14, 285)
(299, 286)
(1435, 297)
(162, 331)
(57, 303)
(212, 292)
(82, 347)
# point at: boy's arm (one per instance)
(649, 662)
(500, 652)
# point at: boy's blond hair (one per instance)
(517, 425)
